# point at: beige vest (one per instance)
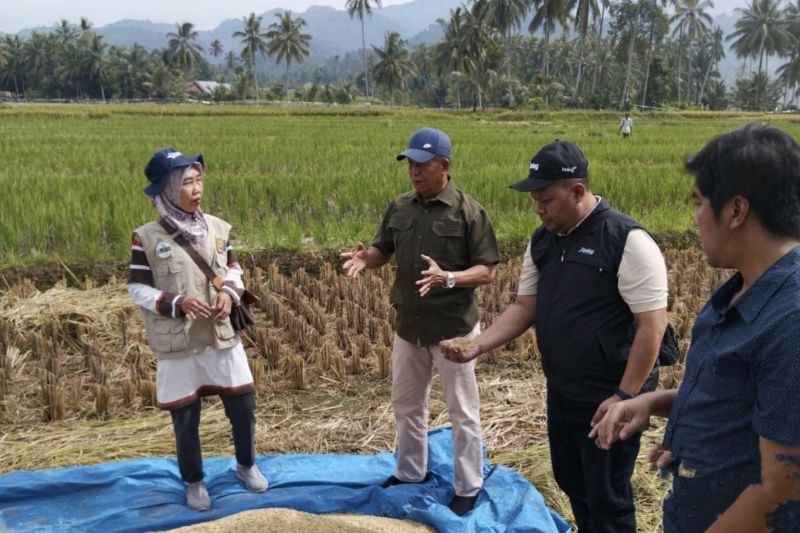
(174, 271)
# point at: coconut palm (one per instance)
(693, 22)
(254, 43)
(182, 48)
(96, 61)
(215, 49)
(287, 41)
(449, 54)
(14, 49)
(505, 15)
(476, 35)
(394, 65)
(760, 30)
(547, 15)
(359, 8)
(584, 13)
(716, 51)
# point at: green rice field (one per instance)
(291, 178)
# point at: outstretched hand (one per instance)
(460, 349)
(433, 276)
(355, 261)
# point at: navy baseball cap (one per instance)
(559, 160)
(426, 144)
(162, 163)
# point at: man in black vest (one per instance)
(594, 283)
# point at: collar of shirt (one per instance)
(750, 304)
(447, 196)
(597, 199)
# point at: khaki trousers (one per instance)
(412, 372)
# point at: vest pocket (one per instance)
(169, 335)
(169, 277)
(224, 330)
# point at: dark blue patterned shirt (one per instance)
(742, 382)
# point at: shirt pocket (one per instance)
(446, 245)
(402, 233)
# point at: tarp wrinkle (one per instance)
(148, 495)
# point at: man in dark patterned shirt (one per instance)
(732, 442)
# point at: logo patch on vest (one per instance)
(586, 251)
(220, 244)
(163, 249)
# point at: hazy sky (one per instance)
(205, 14)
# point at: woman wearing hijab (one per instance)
(198, 353)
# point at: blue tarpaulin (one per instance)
(148, 495)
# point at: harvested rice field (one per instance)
(77, 376)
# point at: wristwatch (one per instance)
(451, 280)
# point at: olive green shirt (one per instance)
(455, 231)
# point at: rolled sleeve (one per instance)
(642, 274)
(482, 240)
(528, 276)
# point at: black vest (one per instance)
(583, 326)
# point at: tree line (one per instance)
(576, 53)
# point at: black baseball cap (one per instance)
(559, 160)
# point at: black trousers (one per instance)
(597, 482)
(240, 410)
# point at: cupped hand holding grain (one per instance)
(460, 349)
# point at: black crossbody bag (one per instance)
(241, 316)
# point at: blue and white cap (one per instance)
(426, 144)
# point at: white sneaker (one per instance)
(252, 477)
(197, 497)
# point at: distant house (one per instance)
(205, 88)
(6, 95)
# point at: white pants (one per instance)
(412, 372)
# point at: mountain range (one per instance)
(334, 32)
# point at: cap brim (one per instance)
(420, 156)
(531, 184)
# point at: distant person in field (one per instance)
(197, 351)
(594, 285)
(626, 126)
(445, 247)
(732, 441)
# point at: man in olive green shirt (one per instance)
(445, 247)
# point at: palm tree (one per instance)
(448, 54)
(548, 14)
(716, 51)
(693, 21)
(760, 30)
(505, 15)
(14, 48)
(182, 49)
(584, 13)
(359, 8)
(216, 48)
(476, 35)
(790, 71)
(65, 33)
(394, 65)
(96, 61)
(287, 41)
(254, 43)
